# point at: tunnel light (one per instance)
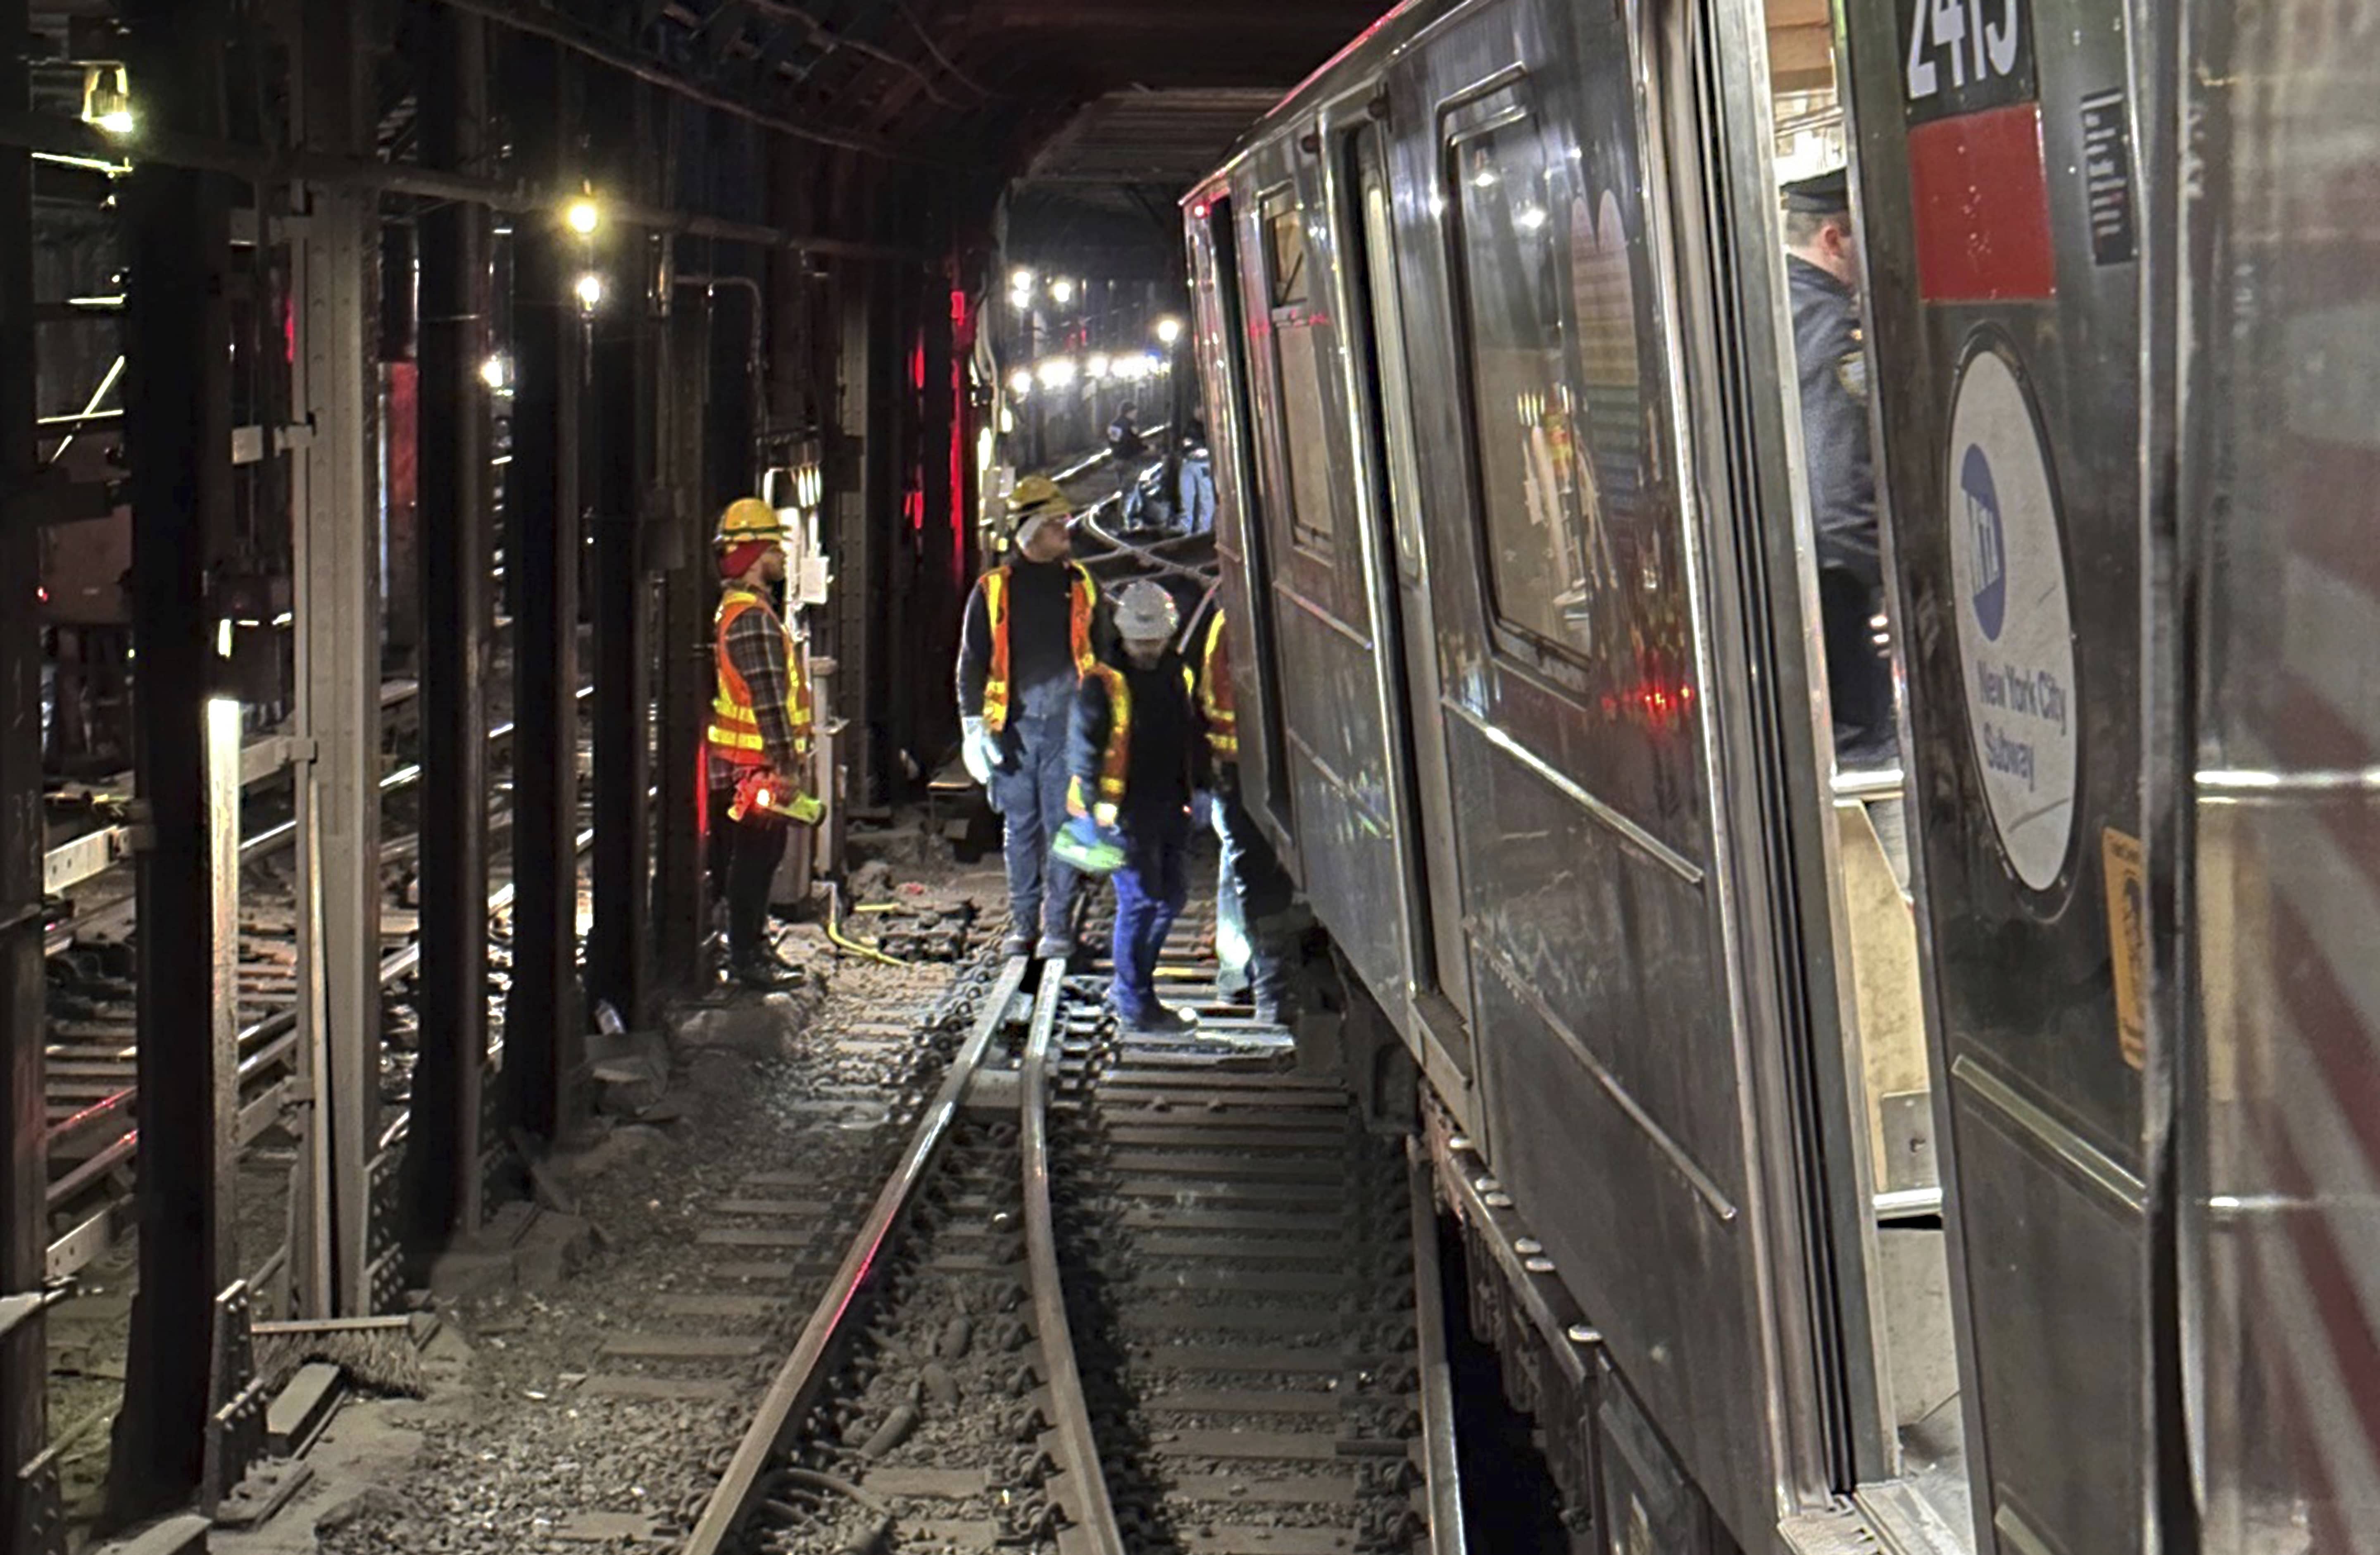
(584, 215)
(107, 99)
(1057, 373)
(590, 291)
(1531, 219)
(1061, 291)
(1169, 330)
(495, 372)
(1022, 280)
(1020, 383)
(1098, 368)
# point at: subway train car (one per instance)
(1975, 1156)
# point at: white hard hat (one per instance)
(1145, 612)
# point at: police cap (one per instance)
(1829, 194)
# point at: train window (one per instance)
(1536, 476)
(1297, 352)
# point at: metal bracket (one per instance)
(236, 1421)
(40, 1515)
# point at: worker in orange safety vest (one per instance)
(759, 741)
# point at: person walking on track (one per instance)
(1024, 644)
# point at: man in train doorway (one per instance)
(1135, 757)
(1251, 893)
(759, 739)
(1023, 648)
(1823, 267)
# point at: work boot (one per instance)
(1055, 947)
(1016, 943)
(1158, 1021)
(761, 974)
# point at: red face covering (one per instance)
(737, 560)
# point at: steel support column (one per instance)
(337, 564)
(542, 1022)
(177, 427)
(442, 1154)
(679, 918)
(618, 947)
(28, 1479)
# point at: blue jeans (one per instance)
(1197, 496)
(1031, 798)
(1243, 904)
(1149, 892)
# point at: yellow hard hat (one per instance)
(747, 518)
(1038, 497)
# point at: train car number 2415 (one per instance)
(1965, 55)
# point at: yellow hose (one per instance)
(835, 936)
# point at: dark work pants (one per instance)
(1859, 678)
(1031, 799)
(1149, 892)
(744, 860)
(1248, 895)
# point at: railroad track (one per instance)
(1118, 1297)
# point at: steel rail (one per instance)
(804, 1376)
(1441, 1468)
(1086, 1478)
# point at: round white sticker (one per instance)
(2016, 637)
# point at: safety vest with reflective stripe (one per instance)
(734, 728)
(1215, 693)
(1115, 762)
(1083, 599)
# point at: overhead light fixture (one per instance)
(1169, 330)
(495, 372)
(584, 215)
(590, 291)
(1020, 383)
(1057, 373)
(1097, 367)
(1061, 291)
(107, 99)
(1022, 280)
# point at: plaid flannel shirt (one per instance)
(755, 645)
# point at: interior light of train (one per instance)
(1486, 179)
(1020, 382)
(584, 215)
(590, 291)
(1169, 330)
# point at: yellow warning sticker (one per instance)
(2126, 868)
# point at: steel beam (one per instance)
(542, 1022)
(679, 918)
(336, 562)
(177, 398)
(28, 1477)
(617, 947)
(442, 1154)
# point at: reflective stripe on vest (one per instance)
(1215, 694)
(1083, 599)
(734, 734)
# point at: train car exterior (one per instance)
(1917, 1205)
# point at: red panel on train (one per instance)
(1982, 205)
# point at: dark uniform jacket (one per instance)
(1168, 749)
(1834, 422)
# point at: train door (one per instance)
(2001, 220)
(1441, 977)
(1239, 525)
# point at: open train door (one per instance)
(1998, 154)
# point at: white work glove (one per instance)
(979, 748)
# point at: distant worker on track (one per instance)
(759, 740)
(1822, 269)
(1250, 890)
(1028, 639)
(1136, 756)
(1127, 448)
